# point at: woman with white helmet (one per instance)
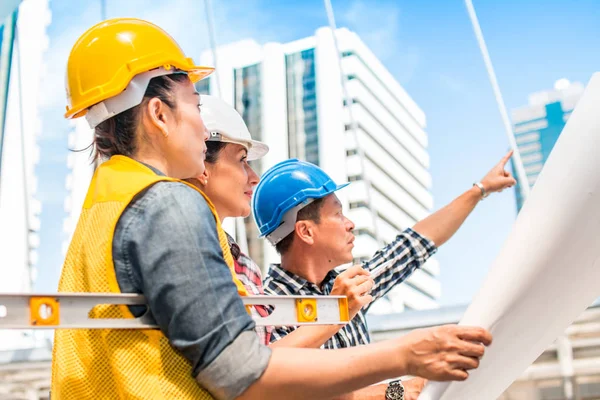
(228, 181)
(144, 230)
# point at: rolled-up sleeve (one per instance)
(166, 247)
(407, 252)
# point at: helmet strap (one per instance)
(288, 223)
(218, 137)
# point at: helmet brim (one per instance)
(257, 150)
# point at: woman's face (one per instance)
(230, 182)
(185, 145)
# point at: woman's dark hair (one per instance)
(213, 149)
(117, 135)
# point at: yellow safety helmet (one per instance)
(119, 54)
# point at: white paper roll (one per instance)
(548, 271)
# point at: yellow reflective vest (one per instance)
(112, 363)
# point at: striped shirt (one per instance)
(409, 251)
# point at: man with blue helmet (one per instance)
(296, 209)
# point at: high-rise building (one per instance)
(81, 170)
(291, 97)
(23, 41)
(538, 125)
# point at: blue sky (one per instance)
(428, 46)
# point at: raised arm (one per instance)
(440, 226)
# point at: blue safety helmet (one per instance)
(284, 190)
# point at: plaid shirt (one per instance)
(409, 250)
(249, 274)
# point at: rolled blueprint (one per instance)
(548, 271)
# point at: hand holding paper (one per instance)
(549, 268)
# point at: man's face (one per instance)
(333, 235)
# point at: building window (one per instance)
(364, 232)
(384, 106)
(247, 101)
(203, 86)
(358, 204)
(385, 149)
(302, 106)
(385, 128)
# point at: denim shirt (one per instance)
(166, 247)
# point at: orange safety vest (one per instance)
(113, 363)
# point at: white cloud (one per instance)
(55, 60)
(51, 197)
(237, 20)
(379, 26)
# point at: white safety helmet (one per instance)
(225, 124)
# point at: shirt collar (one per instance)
(297, 282)
(236, 252)
(155, 170)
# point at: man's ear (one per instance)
(305, 231)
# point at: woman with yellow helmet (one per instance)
(144, 230)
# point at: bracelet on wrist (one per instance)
(484, 193)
